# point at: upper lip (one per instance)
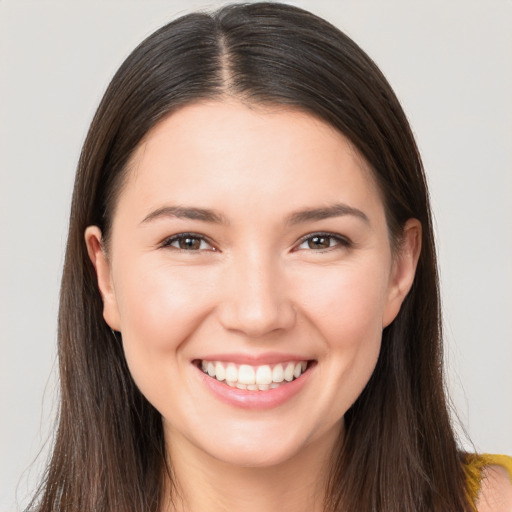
(256, 360)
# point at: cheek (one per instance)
(159, 309)
(346, 304)
(345, 307)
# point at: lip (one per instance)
(256, 400)
(256, 360)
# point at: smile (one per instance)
(254, 378)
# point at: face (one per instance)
(250, 273)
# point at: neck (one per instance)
(204, 483)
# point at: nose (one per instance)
(256, 301)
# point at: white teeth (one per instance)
(288, 373)
(220, 373)
(246, 374)
(278, 373)
(254, 378)
(263, 375)
(231, 373)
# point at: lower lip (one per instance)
(255, 399)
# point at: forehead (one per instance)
(212, 150)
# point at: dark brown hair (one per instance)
(399, 452)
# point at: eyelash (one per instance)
(339, 241)
(184, 236)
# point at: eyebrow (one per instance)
(182, 212)
(335, 210)
(214, 217)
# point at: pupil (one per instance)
(321, 242)
(190, 243)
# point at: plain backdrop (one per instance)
(450, 62)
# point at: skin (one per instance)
(496, 490)
(253, 287)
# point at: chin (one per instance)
(253, 455)
(265, 446)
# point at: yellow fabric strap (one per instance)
(475, 463)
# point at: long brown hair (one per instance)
(399, 452)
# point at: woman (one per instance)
(249, 312)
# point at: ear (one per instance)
(403, 270)
(101, 265)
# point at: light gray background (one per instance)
(450, 62)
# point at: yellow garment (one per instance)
(475, 463)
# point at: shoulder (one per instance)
(495, 493)
(496, 490)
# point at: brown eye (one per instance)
(319, 242)
(322, 241)
(188, 242)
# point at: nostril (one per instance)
(255, 319)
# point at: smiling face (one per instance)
(249, 249)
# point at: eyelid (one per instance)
(343, 241)
(166, 242)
